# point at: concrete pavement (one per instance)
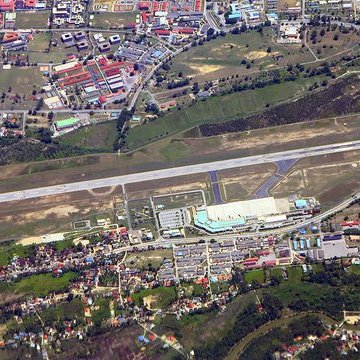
(178, 171)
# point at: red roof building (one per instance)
(30, 3)
(7, 5)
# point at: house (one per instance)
(82, 45)
(7, 5)
(80, 35)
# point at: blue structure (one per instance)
(295, 245)
(308, 243)
(301, 204)
(202, 221)
(302, 244)
(318, 242)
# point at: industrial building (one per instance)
(174, 218)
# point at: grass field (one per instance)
(162, 296)
(20, 79)
(39, 285)
(10, 250)
(354, 269)
(222, 56)
(216, 109)
(34, 20)
(255, 275)
(101, 136)
(113, 20)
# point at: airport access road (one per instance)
(23, 194)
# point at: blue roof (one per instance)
(202, 220)
(235, 15)
(301, 203)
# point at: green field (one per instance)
(164, 296)
(354, 269)
(101, 136)
(39, 285)
(21, 79)
(216, 109)
(34, 20)
(113, 20)
(216, 57)
(9, 251)
(255, 275)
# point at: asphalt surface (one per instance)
(178, 171)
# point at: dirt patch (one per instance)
(204, 69)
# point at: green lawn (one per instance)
(216, 109)
(21, 79)
(164, 296)
(101, 136)
(113, 20)
(39, 285)
(294, 274)
(34, 20)
(354, 269)
(230, 50)
(9, 251)
(257, 275)
(289, 291)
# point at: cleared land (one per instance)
(330, 178)
(53, 214)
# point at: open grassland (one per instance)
(330, 178)
(101, 136)
(216, 110)
(52, 214)
(161, 297)
(326, 46)
(8, 251)
(39, 285)
(222, 56)
(21, 80)
(32, 20)
(113, 20)
(195, 150)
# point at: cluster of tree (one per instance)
(122, 128)
(246, 322)
(263, 347)
(177, 83)
(24, 150)
(324, 103)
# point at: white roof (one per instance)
(256, 207)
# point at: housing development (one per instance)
(179, 179)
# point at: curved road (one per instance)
(178, 171)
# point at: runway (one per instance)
(178, 171)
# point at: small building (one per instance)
(104, 47)
(82, 45)
(66, 37)
(80, 35)
(66, 123)
(114, 39)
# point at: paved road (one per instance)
(178, 171)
